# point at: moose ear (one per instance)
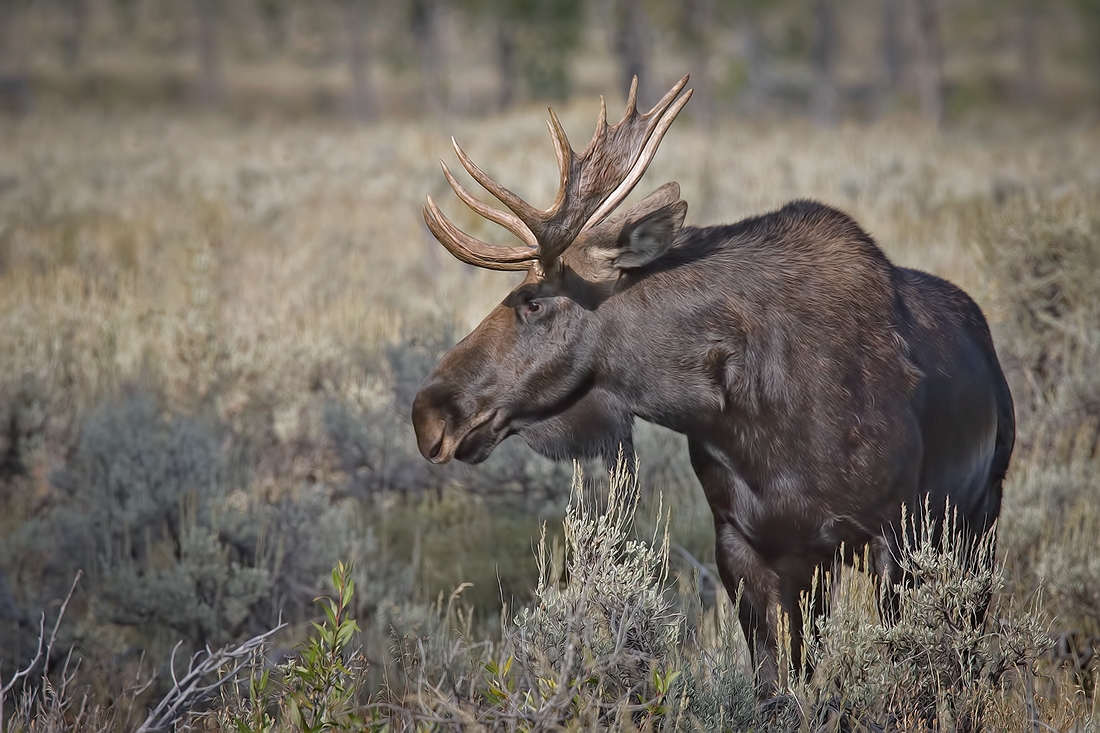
(635, 237)
(643, 240)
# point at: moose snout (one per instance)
(431, 428)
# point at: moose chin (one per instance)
(820, 387)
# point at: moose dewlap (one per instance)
(820, 387)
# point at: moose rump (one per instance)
(819, 386)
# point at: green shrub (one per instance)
(602, 645)
(317, 688)
(944, 660)
(1071, 574)
(143, 501)
(602, 595)
(1044, 252)
(23, 419)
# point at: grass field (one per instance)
(263, 298)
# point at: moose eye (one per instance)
(532, 308)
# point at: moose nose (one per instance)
(430, 427)
(430, 440)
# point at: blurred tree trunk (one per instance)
(126, 13)
(211, 84)
(361, 101)
(700, 25)
(930, 58)
(8, 11)
(274, 14)
(76, 23)
(757, 72)
(631, 45)
(534, 46)
(1090, 18)
(893, 48)
(9, 609)
(507, 69)
(824, 98)
(1031, 74)
(426, 22)
(15, 88)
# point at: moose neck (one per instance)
(654, 356)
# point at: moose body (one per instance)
(819, 386)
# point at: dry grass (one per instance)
(205, 259)
(256, 274)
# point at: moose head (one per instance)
(536, 365)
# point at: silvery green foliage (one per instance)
(601, 646)
(944, 658)
(602, 597)
(413, 357)
(145, 511)
(377, 452)
(313, 533)
(132, 475)
(717, 693)
(374, 443)
(1072, 573)
(1044, 253)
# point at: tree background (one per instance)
(825, 59)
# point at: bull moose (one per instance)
(820, 387)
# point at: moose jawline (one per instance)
(481, 440)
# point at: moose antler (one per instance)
(592, 184)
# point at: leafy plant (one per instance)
(323, 682)
(318, 688)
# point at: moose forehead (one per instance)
(565, 282)
(528, 292)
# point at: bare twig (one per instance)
(705, 574)
(30, 665)
(43, 646)
(57, 625)
(1029, 699)
(190, 690)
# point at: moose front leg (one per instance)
(741, 568)
(806, 600)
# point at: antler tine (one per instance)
(601, 123)
(631, 113)
(519, 207)
(642, 163)
(591, 185)
(473, 251)
(666, 100)
(564, 154)
(509, 221)
(631, 101)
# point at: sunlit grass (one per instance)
(255, 274)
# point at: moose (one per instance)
(820, 387)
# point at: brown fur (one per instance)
(820, 387)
